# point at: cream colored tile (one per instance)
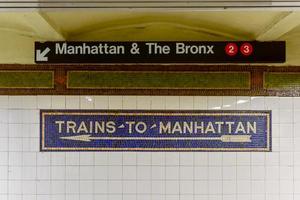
(186, 102)
(58, 102)
(158, 102)
(87, 102)
(214, 103)
(101, 102)
(44, 102)
(296, 102)
(272, 103)
(72, 102)
(200, 102)
(286, 103)
(172, 102)
(129, 102)
(4, 101)
(115, 102)
(143, 102)
(257, 103)
(15, 102)
(29, 102)
(229, 103)
(243, 103)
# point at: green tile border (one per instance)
(80, 79)
(281, 80)
(26, 79)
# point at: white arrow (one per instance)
(41, 55)
(223, 138)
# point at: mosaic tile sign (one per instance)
(116, 130)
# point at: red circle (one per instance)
(246, 49)
(231, 49)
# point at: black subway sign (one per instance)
(160, 52)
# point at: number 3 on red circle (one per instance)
(246, 49)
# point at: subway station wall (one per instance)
(27, 174)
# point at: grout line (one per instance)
(179, 158)
(65, 156)
(236, 175)
(251, 166)
(194, 160)
(293, 122)
(79, 157)
(265, 168)
(8, 156)
(279, 147)
(122, 160)
(222, 182)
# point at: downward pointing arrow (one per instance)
(41, 55)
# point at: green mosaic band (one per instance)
(158, 80)
(26, 79)
(281, 80)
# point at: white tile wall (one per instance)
(27, 174)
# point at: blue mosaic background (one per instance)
(53, 139)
